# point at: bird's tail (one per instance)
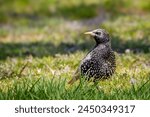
(72, 81)
(75, 78)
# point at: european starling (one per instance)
(100, 62)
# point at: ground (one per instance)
(41, 46)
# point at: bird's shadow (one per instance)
(41, 49)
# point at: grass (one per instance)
(53, 89)
(40, 49)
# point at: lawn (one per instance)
(42, 44)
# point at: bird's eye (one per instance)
(98, 33)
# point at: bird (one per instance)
(100, 62)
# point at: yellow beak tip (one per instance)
(88, 33)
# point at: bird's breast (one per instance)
(88, 57)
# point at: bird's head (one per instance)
(100, 35)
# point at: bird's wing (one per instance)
(76, 76)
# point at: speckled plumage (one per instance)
(100, 62)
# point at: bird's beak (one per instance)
(89, 33)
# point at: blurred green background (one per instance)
(73, 9)
(49, 35)
(125, 20)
